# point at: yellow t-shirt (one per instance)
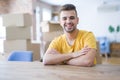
(83, 38)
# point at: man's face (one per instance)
(68, 20)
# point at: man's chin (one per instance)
(69, 31)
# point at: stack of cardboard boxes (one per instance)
(50, 30)
(18, 33)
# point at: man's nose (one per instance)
(68, 20)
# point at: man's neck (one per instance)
(73, 35)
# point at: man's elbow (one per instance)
(45, 62)
(88, 63)
(48, 62)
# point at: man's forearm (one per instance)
(56, 58)
(84, 60)
(80, 61)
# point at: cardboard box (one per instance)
(17, 20)
(24, 45)
(49, 36)
(13, 33)
(50, 26)
(10, 45)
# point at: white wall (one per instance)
(93, 20)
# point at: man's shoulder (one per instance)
(84, 31)
(60, 37)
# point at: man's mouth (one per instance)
(69, 25)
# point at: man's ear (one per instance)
(77, 20)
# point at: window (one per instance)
(37, 16)
(2, 34)
(46, 13)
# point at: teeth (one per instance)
(69, 26)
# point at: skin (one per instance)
(84, 57)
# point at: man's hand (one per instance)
(84, 51)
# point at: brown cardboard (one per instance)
(13, 33)
(49, 36)
(17, 20)
(50, 26)
(11, 45)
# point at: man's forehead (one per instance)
(67, 13)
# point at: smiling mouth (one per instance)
(69, 25)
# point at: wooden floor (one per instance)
(111, 60)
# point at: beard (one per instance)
(69, 29)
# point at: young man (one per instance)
(74, 47)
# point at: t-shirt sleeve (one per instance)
(55, 44)
(90, 40)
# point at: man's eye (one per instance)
(72, 17)
(64, 18)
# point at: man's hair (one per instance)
(68, 7)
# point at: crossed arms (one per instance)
(84, 57)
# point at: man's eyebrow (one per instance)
(72, 16)
(69, 16)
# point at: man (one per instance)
(74, 47)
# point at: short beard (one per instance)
(69, 31)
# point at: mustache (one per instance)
(68, 24)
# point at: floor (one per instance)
(111, 60)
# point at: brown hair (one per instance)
(68, 7)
